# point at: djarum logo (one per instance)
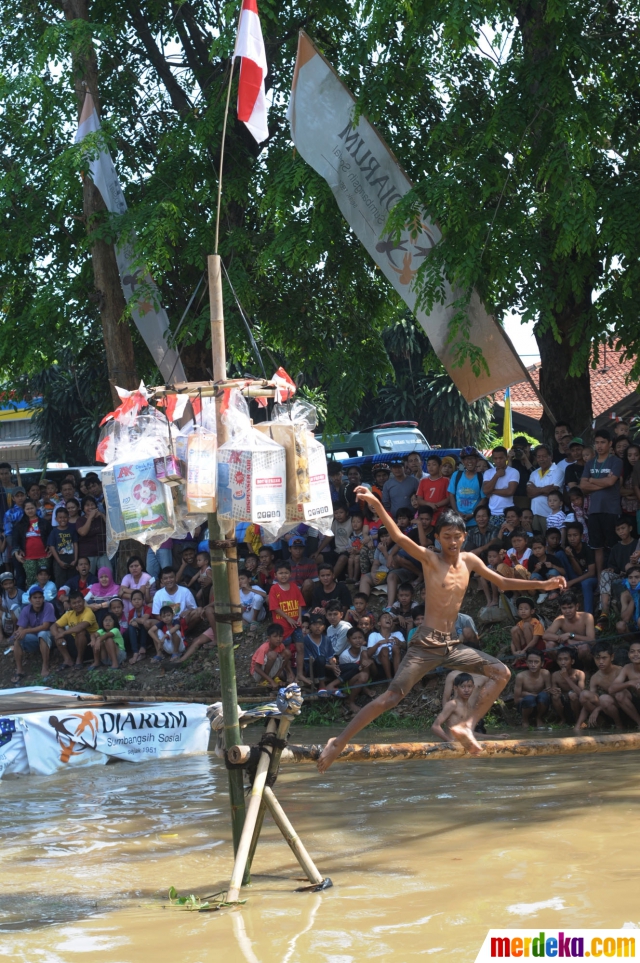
(78, 732)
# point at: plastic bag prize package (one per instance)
(201, 471)
(252, 483)
(141, 496)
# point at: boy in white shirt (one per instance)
(557, 518)
(252, 600)
(337, 629)
(386, 646)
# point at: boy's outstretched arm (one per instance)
(476, 565)
(444, 715)
(403, 541)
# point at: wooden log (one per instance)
(401, 751)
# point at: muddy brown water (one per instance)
(425, 858)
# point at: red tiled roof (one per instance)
(608, 386)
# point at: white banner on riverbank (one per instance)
(59, 738)
(368, 182)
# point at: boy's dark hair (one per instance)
(62, 511)
(494, 549)
(543, 448)
(633, 568)
(353, 630)
(450, 519)
(324, 565)
(202, 551)
(576, 491)
(166, 608)
(317, 617)
(137, 592)
(519, 533)
(567, 598)
(418, 610)
(525, 601)
(602, 647)
(556, 530)
(537, 540)
(244, 571)
(283, 563)
(565, 650)
(75, 595)
(382, 532)
(86, 558)
(404, 512)
(555, 491)
(275, 629)
(252, 555)
(624, 520)
(478, 508)
(462, 677)
(361, 595)
(188, 548)
(357, 515)
(512, 508)
(340, 508)
(334, 606)
(602, 433)
(434, 458)
(168, 570)
(5, 464)
(406, 587)
(267, 548)
(536, 652)
(577, 526)
(499, 448)
(425, 510)
(334, 468)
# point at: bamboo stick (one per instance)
(224, 634)
(207, 389)
(251, 817)
(401, 751)
(291, 836)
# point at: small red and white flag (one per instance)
(252, 101)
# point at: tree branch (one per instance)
(178, 97)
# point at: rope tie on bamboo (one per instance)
(221, 544)
(232, 613)
(268, 743)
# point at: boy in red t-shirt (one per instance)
(433, 490)
(286, 603)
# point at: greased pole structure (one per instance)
(224, 570)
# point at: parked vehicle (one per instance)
(389, 438)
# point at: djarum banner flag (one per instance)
(151, 321)
(368, 182)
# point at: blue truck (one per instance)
(379, 443)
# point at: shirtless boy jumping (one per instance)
(446, 576)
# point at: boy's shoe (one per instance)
(339, 694)
(323, 693)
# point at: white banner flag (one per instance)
(151, 322)
(61, 738)
(368, 182)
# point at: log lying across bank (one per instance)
(400, 751)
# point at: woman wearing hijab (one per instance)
(103, 590)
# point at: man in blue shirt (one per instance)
(32, 633)
(465, 487)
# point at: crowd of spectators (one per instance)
(530, 514)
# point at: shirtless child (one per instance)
(626, 688)
(567, 686)
(532, 690)
(457, 708)
(446, 575)
(572, 628)
(597, 698)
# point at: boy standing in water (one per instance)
(457, 708)
(446, 576)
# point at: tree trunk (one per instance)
(121, 364)
(568, 397)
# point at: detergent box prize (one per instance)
(141, 497)
(252, 484)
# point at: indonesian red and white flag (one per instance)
(252, 101)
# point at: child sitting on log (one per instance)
(597, 698)
(457, 708)
(567, 686)
(532, 690)
(271, 661)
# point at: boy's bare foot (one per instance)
(462, 732)
(328, 755)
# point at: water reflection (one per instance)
(425, 857)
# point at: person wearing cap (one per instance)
(10, 605)
(448, 466)
(381, 474)
(574, 467)
(49, 588)
(33, 632)
(304, 571)
(465, 487)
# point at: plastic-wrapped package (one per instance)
(293, 436)
(318, 511)
(251, 471)
(146, 508)
(202, 447)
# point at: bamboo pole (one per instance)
(220, 579)
(292, 838)
(253, 809)
(399, 752)
(283, 730)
